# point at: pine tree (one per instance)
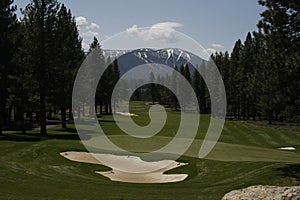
(94, 44)
(247, 67)
(256, 80)
(101, 93)
(187, 95)
(187, 73)
(180, 88)
(115, 76)
(280, 28)
(175, 86)
(39, 18)
(200, 88)
(152, 87)
(233, 80)
(196, 83)
(66, 60)
(22, 86)
(8, 24)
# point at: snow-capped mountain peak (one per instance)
(170, 57)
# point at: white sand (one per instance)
(127, 114)
(134, 170)
(288, 148)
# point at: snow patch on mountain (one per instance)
(181, 52)
(170, 53)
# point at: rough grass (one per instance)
(246, 155)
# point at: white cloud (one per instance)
(167, 25)
(93, 26)
(133, 30)
(81, 21)
(164, 31)
(210, 51)
(90, 34)
(85, 46)
(214, 48)
(217, 46)
(87, 31)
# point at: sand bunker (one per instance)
(127, 114)
(134, 170)
(288, 148)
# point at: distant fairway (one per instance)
(245, 155)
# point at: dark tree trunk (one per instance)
(248, 110)
(106, 108)
(37, 117)
(3, 111)
(114, 111)
(15, 119)
(78, 112)
(50, 114)
(20, 112)
(70, 114)
(234, 111)
(96, 109)
(22, 118)
(83, 110)
(63, 118)
(238, 110)
(254, 116)
(1, 119)
(31, 117)
(110, 108)
(42, 113)
(90, 111)
(270, 116)
(7, 115)
(101, 108)
(1, 133)
(42, 72)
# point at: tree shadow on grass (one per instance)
(106, 121)
(291, 171)
(66, 134)
(18, 137)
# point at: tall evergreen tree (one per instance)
(114, 78)
(8, 24)
(246, 68)
(233, 81)
(152, 87)
(39, 18)
(66, 60)
(280, 28)
(196, 83)
(256, 80)
(23, 87)
(175, 86)
(187, 73)
(101, 93)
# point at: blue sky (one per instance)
(215, 24)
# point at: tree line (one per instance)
(261, 74)
(157, 93)
(42, 51)
(40, 55)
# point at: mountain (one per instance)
(170, 57)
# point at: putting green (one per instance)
(221, 152)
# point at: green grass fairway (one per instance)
(31, 168)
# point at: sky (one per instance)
(214, 24)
